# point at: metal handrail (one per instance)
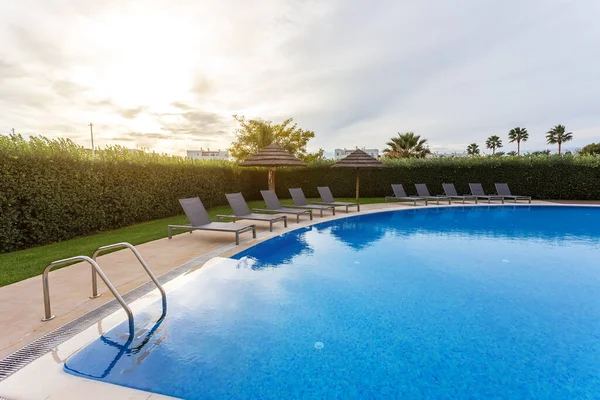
(140, 259)
(96, 270)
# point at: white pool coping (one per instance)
(52, 383)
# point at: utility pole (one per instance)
(92, 135)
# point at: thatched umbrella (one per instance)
(272, 157)
(358, 159)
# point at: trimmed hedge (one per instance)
(542, 177)
(55, 190)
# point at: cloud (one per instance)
(131, 113)
(353, 73)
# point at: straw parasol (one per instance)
(272, 157)
(358, 159)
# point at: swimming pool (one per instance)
(456, 302)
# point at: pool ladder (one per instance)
(96, 270)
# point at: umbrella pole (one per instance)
(271, 178)
(357, 182)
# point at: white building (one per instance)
(208, 154)
(341, 153)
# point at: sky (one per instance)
(169, 74)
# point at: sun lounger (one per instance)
(477, 191)
(504, 191)
(423, 191)
(301, 202)
(400, 195)
(327, 199)
(273, 205)
(200, 221)
(242, 211)
(450, 192)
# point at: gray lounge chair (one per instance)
(504, 191)
(242, 211)
(400, 195)
(301, 202)
(200, 221)
(422, 191)
(327, 199)
(477, 191)
(273, 205)
(450, 192)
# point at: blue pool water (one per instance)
(449, 303)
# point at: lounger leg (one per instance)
(285, 222)
(270, 226)
(237, 238)
(333, 210)
(297, 218)
(169, 232)
(358, 208)
(254, 232)
(321, 213)
(310, 214)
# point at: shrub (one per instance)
(53, 190)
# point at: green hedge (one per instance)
(55, 190)
(55, 194)
(542, 177)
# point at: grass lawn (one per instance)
(24, 264)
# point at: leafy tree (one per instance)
(493, 142)
(499, 154)
(592, 149)
(518, 135)
(313, 157)
(557, 135)
(473, 149)
(254, 134)
(407, 145)
(512, 153)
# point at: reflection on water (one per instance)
(546, 223)
(135, 349)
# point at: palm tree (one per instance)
(407, 145)
(518, 135)
(473, 149)
(557, 135)
(493, 142)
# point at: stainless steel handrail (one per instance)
(140, 259)
(96, 270)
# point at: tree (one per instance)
(511, 153)
(493, 142)
(499, 154)
(473, 149)
(557, 135)
(518, 135)
(592, 149)
(254, 134)
(407, 145)
(313, 157)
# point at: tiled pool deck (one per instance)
(21, 304)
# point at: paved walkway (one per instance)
(21, 304)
